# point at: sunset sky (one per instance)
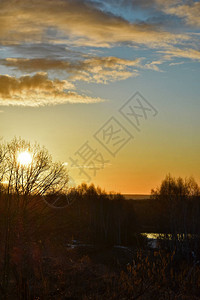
(69, 75)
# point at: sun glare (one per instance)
(24, 158)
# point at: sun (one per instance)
(24, 158)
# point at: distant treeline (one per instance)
(93, 217)
(97, 217)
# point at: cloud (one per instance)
(39, 90)
(47, 50)
(183, 53)
(162, 11)
(189, 12)
(176, 63)
(103, 69)
(142, 4)
(154, 65)
(94, 69)
(76, 22)
(33, 31)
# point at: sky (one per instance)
(110, 88)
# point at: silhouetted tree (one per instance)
(179, 203)
(20, 181)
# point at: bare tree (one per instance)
(19, 180)
(38, 177)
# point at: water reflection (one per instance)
(169, 236)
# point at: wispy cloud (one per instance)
(176, 63)
(190, 12)
(95, 69)
(183, 53)
(154, 65)
(81, 22)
